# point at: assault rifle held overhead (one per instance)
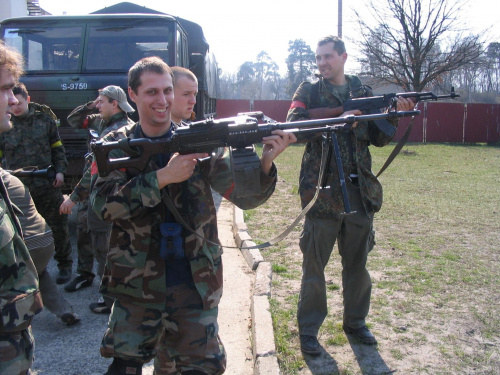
(373, 104)
(205, 136)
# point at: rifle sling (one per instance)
(170, 205)
(397, 148)
(306, 209)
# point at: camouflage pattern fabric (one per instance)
(135, 272)
(85, 263)
(45, 109)
(33, 141)
(39, 241)
(132, 201)
(180, 337)
(16, 352)
(47, 202)
(20, 298)
(91, 245)
(83, 117)
(329, 204)
(100, 244)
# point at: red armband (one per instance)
(228, 192)
(85, 124)
(297, 104)
(93, 168)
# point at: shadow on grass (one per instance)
(324, 364)
(368, 358)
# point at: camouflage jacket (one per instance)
(358, 161)
(36, 232)
(33, 141)
(83, 117)
(20, 297)
(133, 202)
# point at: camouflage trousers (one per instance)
(47, 203)
(180, 337)
(90, 244)
(16, 352)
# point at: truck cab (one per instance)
(69, 58)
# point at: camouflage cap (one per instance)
(117, 93)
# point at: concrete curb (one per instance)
(264, 349)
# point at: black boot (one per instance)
(124, 367)
(193, 372)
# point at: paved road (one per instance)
(62, 350)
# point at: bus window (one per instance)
(47, 48)
(119, 47)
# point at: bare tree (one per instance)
(493, 56)
(228, 85)
(415, 43)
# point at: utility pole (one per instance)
(340, 20)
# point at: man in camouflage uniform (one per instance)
(34, 141)
(166, 280)
(106, 113)
(325, 222)
(40, 242)
(20, 298)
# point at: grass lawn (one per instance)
(435, 268)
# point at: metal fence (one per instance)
(439, 122)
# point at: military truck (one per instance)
(68, 58)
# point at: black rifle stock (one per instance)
(48, 173)
(205, 136)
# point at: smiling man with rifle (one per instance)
(164, 266)
(331, 219)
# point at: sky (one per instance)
(238, 31)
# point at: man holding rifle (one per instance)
(165, 278)
(329, 219)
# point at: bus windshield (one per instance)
(109, 47)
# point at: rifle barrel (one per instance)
(351, 119)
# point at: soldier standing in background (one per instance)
(106, 113)
(38, 238)
(20, 298)
(34, 141)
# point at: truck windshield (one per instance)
(119, 47)
(107, 48)
(47, 48)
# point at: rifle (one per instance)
(237, 132)
(373, 104)
(33, 172)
